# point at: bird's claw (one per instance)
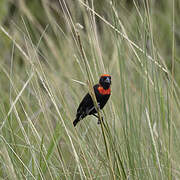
(99, 121)
(98, 105)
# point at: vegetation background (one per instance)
(51, 50)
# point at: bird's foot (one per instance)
(99, 121)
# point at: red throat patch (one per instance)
(104, 91)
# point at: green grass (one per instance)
(51, 55)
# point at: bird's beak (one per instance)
(108, 80)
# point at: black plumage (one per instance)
(102, 92)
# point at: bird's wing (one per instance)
(84, 103)
(87, 106)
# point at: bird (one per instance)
(102, 92)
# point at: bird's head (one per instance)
(105, 81)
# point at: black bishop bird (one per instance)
(102, 92)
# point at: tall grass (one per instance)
(53, 53)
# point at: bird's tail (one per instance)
(76, 121)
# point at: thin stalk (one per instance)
(172, 90)
(91, 91)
